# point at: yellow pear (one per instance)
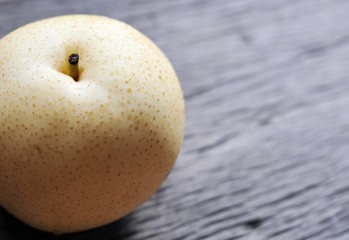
(91, 121)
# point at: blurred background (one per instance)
(266, 154)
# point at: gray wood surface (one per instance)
(266, 154)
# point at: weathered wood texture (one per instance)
(266, 150)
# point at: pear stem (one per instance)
(73, 69)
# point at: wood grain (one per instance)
(265, 155)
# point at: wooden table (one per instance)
(266, 150)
